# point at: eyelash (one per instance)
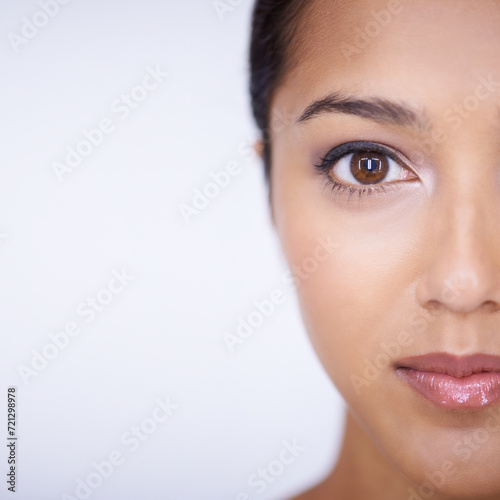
(336, 154)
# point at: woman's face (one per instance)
(401, 257)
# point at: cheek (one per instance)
(355, 274)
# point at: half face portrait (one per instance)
(385, 194)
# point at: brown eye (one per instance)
(369, 167)
(357, 164)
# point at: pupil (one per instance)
(370, 164)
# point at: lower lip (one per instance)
(456, 393)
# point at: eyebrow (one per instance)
(374, 108)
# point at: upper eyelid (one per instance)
(354, 146)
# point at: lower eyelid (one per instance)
(341, 190)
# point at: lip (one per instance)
(453, 382)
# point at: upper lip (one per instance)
(456, 366)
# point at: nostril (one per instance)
(491, 306)
(435, 306)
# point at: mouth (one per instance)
(453, 382)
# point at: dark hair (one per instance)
(274, 25)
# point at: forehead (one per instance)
(428, 53)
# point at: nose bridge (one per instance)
(462, 271)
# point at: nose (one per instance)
(463, 258)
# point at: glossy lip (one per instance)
(453, 382)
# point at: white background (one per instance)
(119, 209)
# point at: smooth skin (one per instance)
(416, 266)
